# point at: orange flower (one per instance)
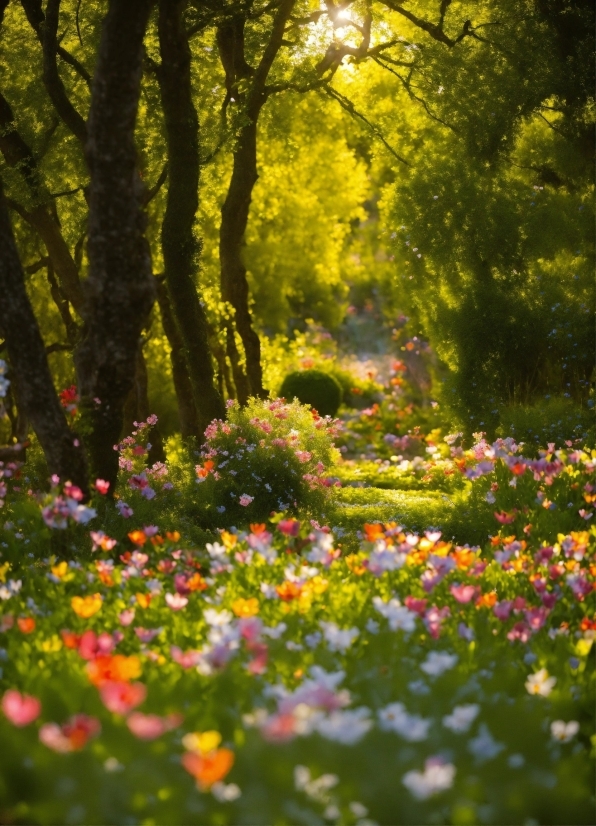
(60, 569)
(208, 768)
(487, 600)
(157, 540)
(113, 669)
(70, 639)
(464, 558)
(196, 583)
(288, 591)
(144, 600)
(26, 625)
(173, 536)
(373, 532)
(258, 528)
(138, 537)
(245, 607)
(86, 607)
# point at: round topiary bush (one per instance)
(320, 390)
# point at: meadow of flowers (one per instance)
(272, 676)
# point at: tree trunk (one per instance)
(137, 409)
(120, 288)
(31, 373)
(180, 244)
(189, 422)
(234, 212)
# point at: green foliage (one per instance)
(268, 456)
(320, 390)
(555, 420)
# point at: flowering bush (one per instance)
(268, 456)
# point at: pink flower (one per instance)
(176, 601)
(416, 605)
(505, 518)
(245, 500)
(502, 609)
(20, 709)
(126, 617)
(120, 698)
(303, 456)
(150, 726)
(147, 634)
(72, 736)
(101, 486)
(464, 593)
(187, 659)
(289, 527)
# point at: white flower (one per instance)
(461, 718)
(398, 616)
(275, 632)
(484, 746)
(372, 626)
(438, 662)
(411, 727)
(357, 809)
(225, 793)
(540, 683)
(563, 731)
(215, 550)
(217, 618)
(347, 727)
(336, 638)
(316, 789)
(436, 777)
(176, 601)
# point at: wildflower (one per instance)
(562, 731)
(411, 727)
(464, 593)
(398, 616)
(245, 607)
(101, 540)
(71, 736)
(126, 617)
(125, 510)
(101, 486)
(138, 537)
(209, 768)
(337, 639)
(289, 527)
(143, 600)
(176, 602)
(113, 668)
(26, 625)
(540, 683)
(150, 726)
(484, 746)
(120, 697)
(461, 718)
(86, 607)
(288, 591)
(437, 662)
(245, 500)
(20, 709)
(437, 777)
(346, 727)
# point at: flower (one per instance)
(461, 718)
(101, 486)
(562, 731)
(86, 607)
(113, 668)
(121, 698)
(20, 709)
(150, 726)
(71, 736)
(464, 593)
(437, 662)
(245, 500)
(26, 625)
(540, 683)
(346, 727)
(209, 768)
(101, 540)
(245, 607)
(411, 727)
(437, 777)
(176, 602)
(336, 638)
(484, 746)
(398, 616)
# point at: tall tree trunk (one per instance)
(31, 373)
(234, 212)
(180, 244)
(189, 422)
(119, 289)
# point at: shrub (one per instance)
(268, 456)
(554, 420)
(320, 390)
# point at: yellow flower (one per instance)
(201, 742)
(86, 607)
(353, 561)
(315, 586)
(245, 607)
(4, 569)
(60, 569)
(52, 644)
(229, 539)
